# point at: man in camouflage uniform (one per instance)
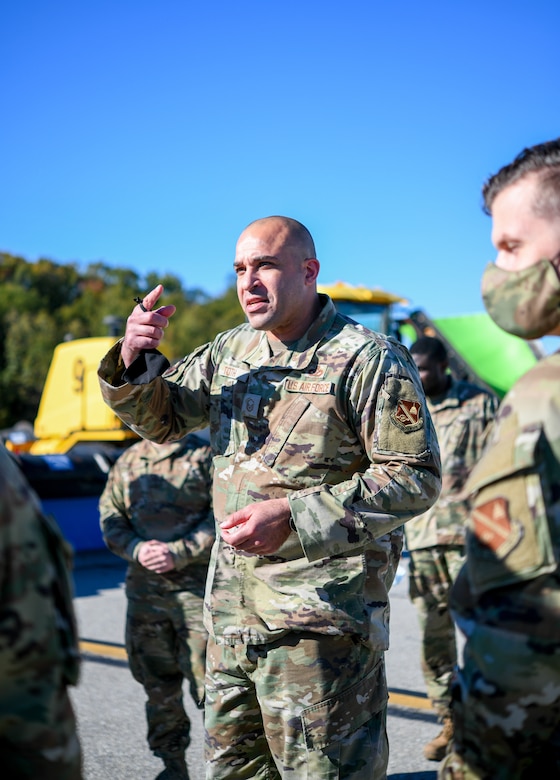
(506, 703)
(322, 446)
(462, 413)
(156, 513)
(38, 640)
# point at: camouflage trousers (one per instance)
(38, 738)
(432, 572)
(166, 644)
(506, 696)
(304, 707)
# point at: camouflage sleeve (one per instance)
(196, 546)
(158, 410)
(454, 500)
(118, 534)
(490, 409)
(388, 410)
(462, 444)
(37, 620)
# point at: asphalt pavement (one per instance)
(110, 704)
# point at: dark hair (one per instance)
(543, 159)
(430, 346)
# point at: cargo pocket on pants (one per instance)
(333, 720)
(346, 735)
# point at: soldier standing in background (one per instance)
(462, 413)
(39, 655)
(156, 513)
(506, 700)
(323, 445)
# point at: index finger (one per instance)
(151, 298)
(233, 520)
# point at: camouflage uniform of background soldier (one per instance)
(322, 440)
(506, 706)
(163, 493)
(462, 413)
(38, 639)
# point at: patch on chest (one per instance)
(231, 372)
(318, 372)
(251, 405)
(308, 386)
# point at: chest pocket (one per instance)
(226, 399)
(509, 534)
(307, 443)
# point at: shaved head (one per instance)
(295, 234)
(276, 271)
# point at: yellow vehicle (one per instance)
(478, 350)
(76, 438)
(72, 411)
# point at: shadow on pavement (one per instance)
(427, 716)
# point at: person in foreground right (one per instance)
(506, 600)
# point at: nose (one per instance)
(248, 280)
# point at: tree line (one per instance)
(43, 303)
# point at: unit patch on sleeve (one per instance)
(407, 413)
(494, 528)
(400, 418)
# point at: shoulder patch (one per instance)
(407, 414)
(400, 419)
(494, 528)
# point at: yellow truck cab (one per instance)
(72, 411)
(76, 439)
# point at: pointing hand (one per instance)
(145, 326)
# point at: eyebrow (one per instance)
(254, 260)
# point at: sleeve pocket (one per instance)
(509, 533)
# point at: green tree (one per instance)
(30, 340)
(43, 303)
(197, 323)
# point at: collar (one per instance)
(300, 356)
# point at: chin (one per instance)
(256, 322)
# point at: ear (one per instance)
(311, 270)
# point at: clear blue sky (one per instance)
(148, 134)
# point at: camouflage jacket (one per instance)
(514, 527)
(161, 492)
(462, 419)
(338, 424)
(37, 621)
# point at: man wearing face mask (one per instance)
(506, 708)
